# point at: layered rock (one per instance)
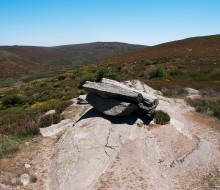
(109, 89)
(110, 106)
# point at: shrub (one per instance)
(28, 127)
(42, 107)
(102, 73)
(112, 76)
(161, 117)
(156, 73)
(61, 77)
(11, 100)
(61, 106)
(209, 107)
(8, 146)
(105, 73)
(176, 72)
(86, 78)
(49, 119)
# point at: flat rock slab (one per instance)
(98, 153)
(110, 106)
(115, 90)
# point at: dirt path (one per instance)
(99, 153)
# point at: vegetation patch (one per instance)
(161, 117)
(156, 73)
(11, 100)
(212, 180)
(206, 106)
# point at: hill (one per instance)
(36, 62)
(190, 62)
(12, 64)
(71, 55)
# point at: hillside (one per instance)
(71, 55)
(189, 62)
(12, 64)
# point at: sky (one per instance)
(147, 22)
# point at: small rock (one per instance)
(191, 91)
(51, 112)
(3, 186)
(14, 181)
(27, 166)
(25, 179)
(82, 99)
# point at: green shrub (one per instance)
(161, 117)
(61, 77)
(11, 100)
(105, 73)
(156, 73)
(61, 106)
(102, 73)
(86, 78)
(8, 146)
(209, 107)
(112, 76)
(176, 72)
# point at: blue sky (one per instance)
(149, 22)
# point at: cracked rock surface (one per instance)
(105, 153)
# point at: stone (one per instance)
(110, 106)
(116, 90)
(81, 100)
(27, 166)
(14, 181)
(50, 112)
(3, 186)
(191, 91)
(25, 179)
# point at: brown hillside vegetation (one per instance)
(12, 64)
(190, 47)
(53, 60)
(191, 62)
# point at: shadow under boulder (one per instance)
(116, 99)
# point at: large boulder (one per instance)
(119, 91)
(110, 106)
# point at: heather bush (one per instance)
(11, 100)
(161, 117)
(156, 73)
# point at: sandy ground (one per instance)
(37, 153)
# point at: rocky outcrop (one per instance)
(107, 90)
(111, 106)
